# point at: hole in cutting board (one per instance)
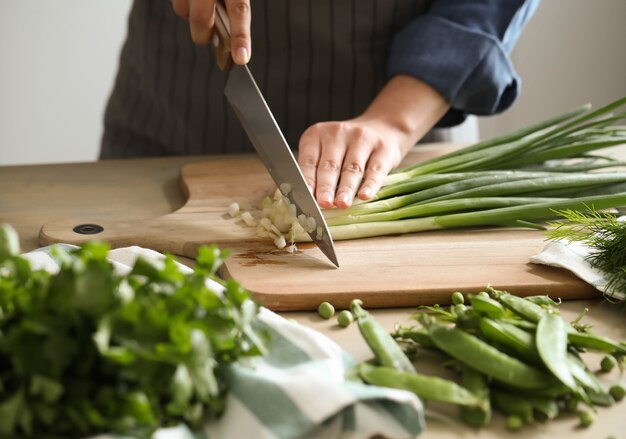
(88, 229)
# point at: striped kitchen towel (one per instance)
(298, 390)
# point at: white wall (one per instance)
(57, 64)
(572, 52)
(58, 60)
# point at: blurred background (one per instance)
(58, 60)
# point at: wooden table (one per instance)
(144, 188)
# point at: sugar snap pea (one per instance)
(516, 340)
(481, 356)
(582, 375)
(385, 349)
(524, 308)
(522, 324)
(595, 343)
(512, 404)
(542, 301)
(476, 383)
(418, 335)
(427, 387)
(546, 406)
(487, 306)
(551, 340)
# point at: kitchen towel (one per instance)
(297, 390)
(573, 257)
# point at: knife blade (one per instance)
(256, 118)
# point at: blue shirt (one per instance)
(461, 48)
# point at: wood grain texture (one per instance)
(403, 270)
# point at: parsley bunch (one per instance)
(85, 351)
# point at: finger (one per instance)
(181, 8)
(239, 16)
(201, 20)
(352, 172)
(328, 170)
(309, 151)
(378, 166)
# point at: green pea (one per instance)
(514, 423)
(483, 294)
(344, 319)
(608, 363)
(457, 298)
(586, 418)
(617, 391)
(326, 310)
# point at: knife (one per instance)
(255, 116)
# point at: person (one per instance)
(354, 85)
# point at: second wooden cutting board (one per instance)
(393, 271)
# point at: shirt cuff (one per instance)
(471, 69)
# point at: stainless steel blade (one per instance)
(268, 140)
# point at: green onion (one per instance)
(515, 180)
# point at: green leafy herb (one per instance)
(85, 350)
(606, 238)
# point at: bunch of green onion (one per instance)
(515, 180)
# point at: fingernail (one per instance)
(326, 198)
(367, 192)
(242, 55)
(343, 197)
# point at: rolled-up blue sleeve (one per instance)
(461, 48)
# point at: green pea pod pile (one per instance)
(515, 355)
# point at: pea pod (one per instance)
(418, 335)
(551, 342)
(524, 308)
(427, 387)
(476, 383)
(522, 324)
(512, 404)
(511, 337)
(581, 374)
(542, 301)
(546, 406)
(479, 355)
(595, 343)
(487, 306)
(385, 349)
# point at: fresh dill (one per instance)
(606, 238)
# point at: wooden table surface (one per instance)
(145, 188)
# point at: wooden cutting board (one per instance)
(392, 271)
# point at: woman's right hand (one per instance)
(201, 17)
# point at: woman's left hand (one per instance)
(341, 160)
(351, 158)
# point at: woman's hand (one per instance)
(201, 16)
(341, 160)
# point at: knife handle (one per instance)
(221, 37)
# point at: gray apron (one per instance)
(314, 60)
